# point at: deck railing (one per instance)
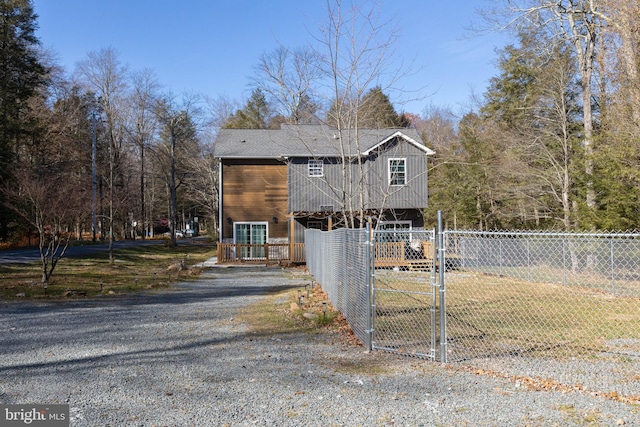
(389, 253)
(386, 253)
(268, 252)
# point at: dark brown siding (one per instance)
(255, 192)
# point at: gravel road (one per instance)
(183, 357)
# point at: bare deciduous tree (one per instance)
(103, 74)
(219, 109)
(288, 78)
(356, 48)
(141, 129)
(179, 137)
(41, 200)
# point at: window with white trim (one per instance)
(251, 236)
(315, 167)
(397, 171)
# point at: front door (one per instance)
(251, 236)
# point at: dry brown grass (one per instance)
(496, 315)
(135, 269)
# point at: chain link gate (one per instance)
(404, 286)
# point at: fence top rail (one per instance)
(259, 244)
(413, 231)
(599, 235)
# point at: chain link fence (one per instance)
(339, 260)
(562, 308)
(559, 306)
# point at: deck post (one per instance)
(292, 238)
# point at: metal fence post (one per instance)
(370, 278)
(500, 253)
(443, 305)
(564, 261)
(529, 259)
(343, 273)
(434, 296)
(613, 273)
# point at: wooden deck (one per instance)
(396, 254)
(267, 253)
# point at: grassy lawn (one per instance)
(136, 268)
(620, 282)
(489, 315)
(501, 315)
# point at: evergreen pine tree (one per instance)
(21, 74)
(376, 111)
(255, 115)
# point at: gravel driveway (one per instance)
(182, 358)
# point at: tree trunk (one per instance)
(566, 203)
(583, 36)
(172, 202)
(142, 195)
(111, 194)
(43, 256)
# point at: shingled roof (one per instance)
(307, 141)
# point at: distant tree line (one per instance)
(102, 153)
(553, 143)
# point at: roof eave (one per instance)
(252, 157)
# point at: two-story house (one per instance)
(276, 183)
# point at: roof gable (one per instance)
(427, 151)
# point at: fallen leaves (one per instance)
(546, 384)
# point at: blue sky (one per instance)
(211, 46)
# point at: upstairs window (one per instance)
(315, 168)
(397, 172)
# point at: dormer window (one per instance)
(397, 172)
(315, 167)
